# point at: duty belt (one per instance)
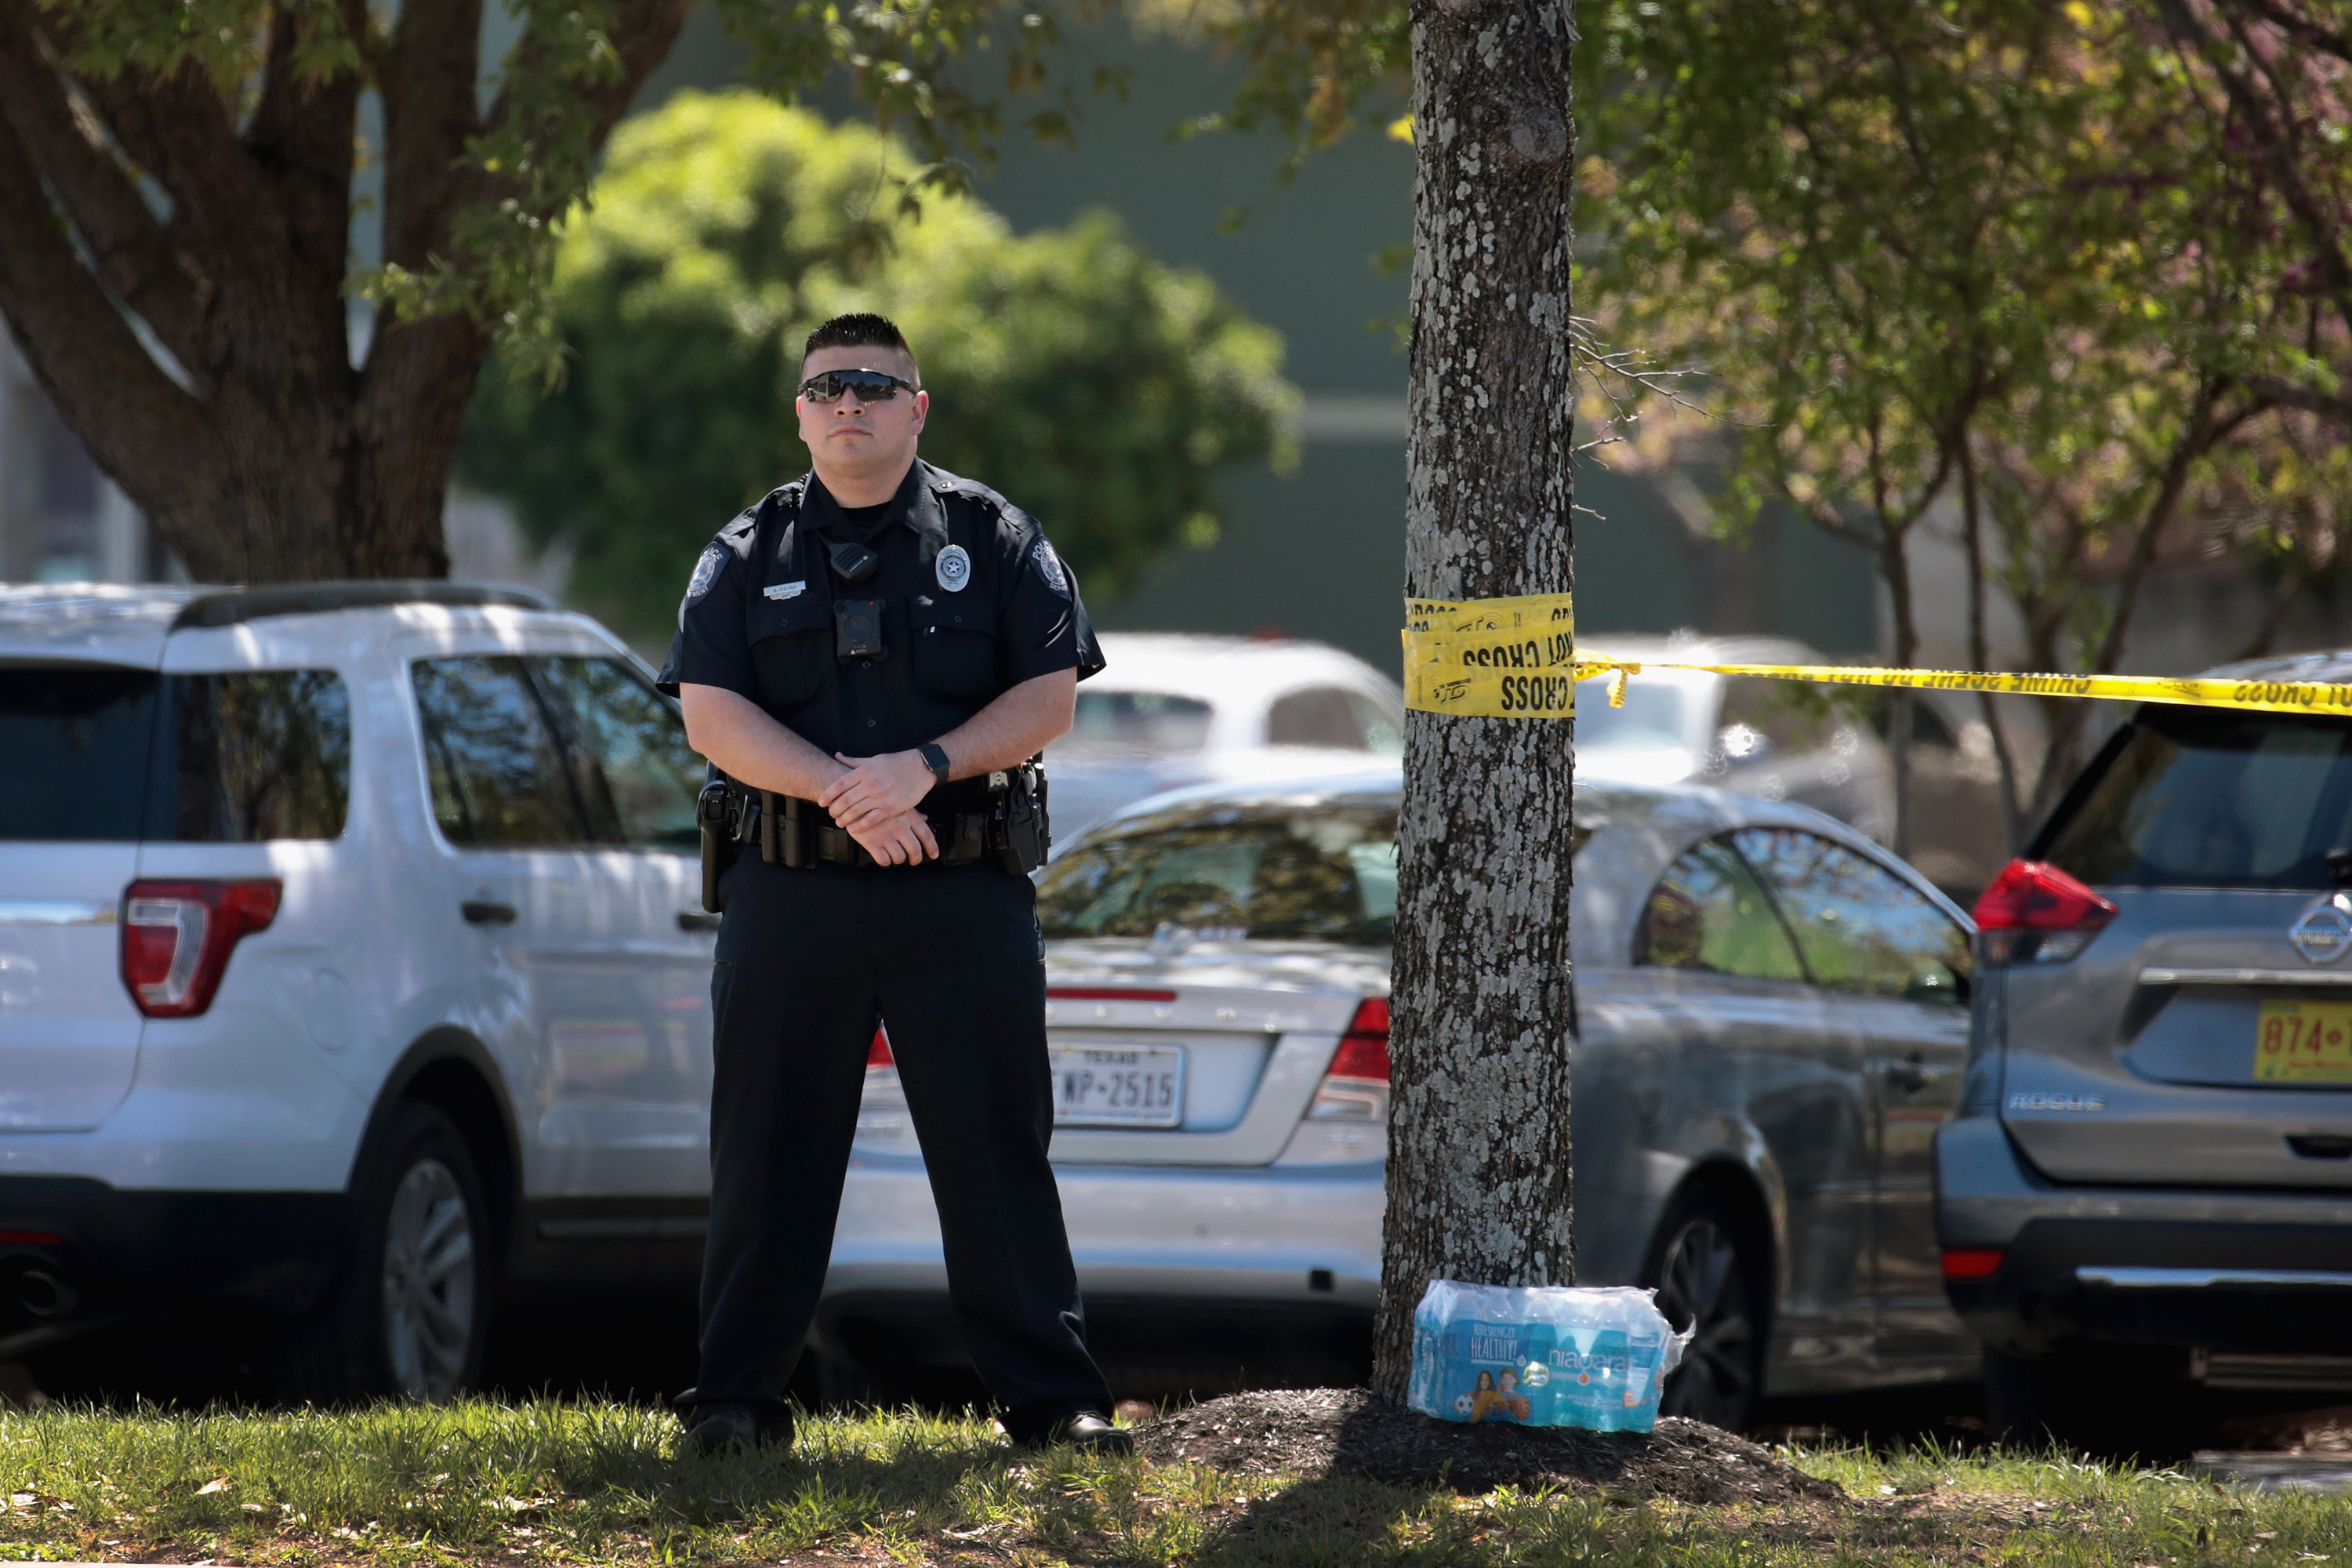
(962, 839)
(800, 833)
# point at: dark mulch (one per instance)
(1339, 1431)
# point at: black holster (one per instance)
(734, 819)
(711, 812)
(1019, 831)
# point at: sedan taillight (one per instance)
(2035, 913)
(176, 938)
(1355, 1086)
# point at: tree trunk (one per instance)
(1894, 569)
(1981, 645)
(1479, 1183)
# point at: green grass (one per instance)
(600, 1483)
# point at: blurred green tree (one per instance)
(1100, 389)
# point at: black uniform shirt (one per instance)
(974, 602)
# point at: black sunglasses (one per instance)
(871, 385)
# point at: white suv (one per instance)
(352, 970)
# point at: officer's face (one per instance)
(849, 437)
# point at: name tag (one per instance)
(786, 590)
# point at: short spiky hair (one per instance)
(859, 330)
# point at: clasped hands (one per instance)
(873, 802)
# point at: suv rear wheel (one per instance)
(1705, 1269)
(410, 1315)
(2109, 1400)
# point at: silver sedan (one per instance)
(1773, 1017)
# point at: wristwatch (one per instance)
(934, 758)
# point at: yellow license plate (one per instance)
(2303, 1042)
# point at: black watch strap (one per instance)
(935, 758)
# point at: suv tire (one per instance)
(2101, 1400)
(410, 1314)
(1708, 1267)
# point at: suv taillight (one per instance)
(1355, 1086)
(2035, 913)
(176, 938)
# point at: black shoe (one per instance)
(1088, 1431)
(726, 1428)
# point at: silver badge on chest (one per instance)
(954, 568)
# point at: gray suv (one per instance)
(2146, 1192)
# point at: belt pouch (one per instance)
(796, 833)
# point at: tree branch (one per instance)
(300, 143)
(2336, 269)
(178, 129)
(2287, 394)
(2300, 29)
(641, 36)
(151, 437)
(1825, 517)
(132, 251)
(429, 114)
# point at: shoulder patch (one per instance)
(714, 560)
(1049, 567)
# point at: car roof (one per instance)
(1652, 824)
(1683, 648)
(1224, 667)
(2333, 664)
(128, 623)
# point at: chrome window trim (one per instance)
(56, 912)
(2136, 1278)
(2245, 977)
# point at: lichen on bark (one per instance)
(1478, 1172)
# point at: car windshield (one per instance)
(1323, 871)
(2200, 798)
(1159, 724)
(1652, 716)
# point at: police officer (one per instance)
(869, 644)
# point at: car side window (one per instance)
(1381, 732)
(643, 778)
(1150, 722)
(1791, 720)
(1710, 912)
(497, 770)
(1319, 716)
(262, 754)
(1862, 928)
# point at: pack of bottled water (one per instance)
(1541, 1355)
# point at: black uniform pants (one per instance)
(808, 962)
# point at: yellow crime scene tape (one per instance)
(1516, 658)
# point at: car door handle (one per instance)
(696, 919)
(484, 912)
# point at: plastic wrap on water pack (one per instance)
(1541, 1356)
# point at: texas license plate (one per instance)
(2303, 1042)
(1118, 1086)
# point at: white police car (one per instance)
(352, 972)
